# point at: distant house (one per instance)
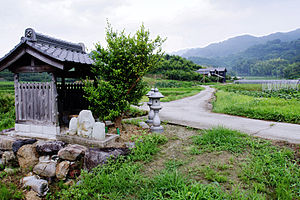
(219, 72)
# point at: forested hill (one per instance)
(177, 68)
(274, 58)
(236, 44)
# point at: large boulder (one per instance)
(73, 125)
(94, 157)
(45, 167)
(98, 131)
(6, 142)
(49, 147)
(9, 158)
(86, 123)
(62, 170)
(19, 143)
(27, 156)
(72, 152)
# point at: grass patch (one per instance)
(221, 139)
(172, 94)
(9, 191)
(276, 109)
(268, 170)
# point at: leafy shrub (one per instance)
(7, 111)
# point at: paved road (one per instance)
(195, 112)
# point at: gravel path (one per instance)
(195, 112)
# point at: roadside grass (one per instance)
(252, 169)
(276, 109)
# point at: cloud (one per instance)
(191, 23)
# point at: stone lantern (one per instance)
(151, 112)
(156, 96)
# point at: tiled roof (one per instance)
(58, 49)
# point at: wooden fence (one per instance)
(36, 102)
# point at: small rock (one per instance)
(10, 171)
(32, 195)
(38, 185)
(19, 143)
(86, 122)
(45, 168)
(69, 182)
(73, 126)
(143, 125)
(71, 152)
(49, 147)
(98, 131)
(6, 142)
(94, 157)
(27, 156)
(9, 158)
(62, 170)
(130, 145)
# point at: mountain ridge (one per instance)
(236, 44)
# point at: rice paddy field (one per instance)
(251, 100)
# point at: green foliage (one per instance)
(10, 192)
(135, 112)
(221, 139)
(277, 109)
(172, 185)
(146, 146)
(268, 169)
(164, 83)
(114, 180)
(119, 69)
(7, 111)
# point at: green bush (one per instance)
(7, 111)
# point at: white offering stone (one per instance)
(86, 123)
(73, 126)
(99, 131)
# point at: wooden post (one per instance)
(16, 84)
(54, 100)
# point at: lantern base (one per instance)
(149, 121)
(157, 129)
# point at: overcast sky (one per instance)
(185, 23)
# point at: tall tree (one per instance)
(119, 69)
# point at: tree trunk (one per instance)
(118, 122)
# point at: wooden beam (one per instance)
(12, 59)
(33, 69)
(44, 58)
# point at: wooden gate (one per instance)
(36, 102)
